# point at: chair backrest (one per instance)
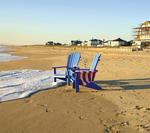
(73, 60)
(95, 61)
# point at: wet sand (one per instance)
(123, 106)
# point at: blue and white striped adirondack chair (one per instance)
(86, 77)
(73, 61)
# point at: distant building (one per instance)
(84, 43)
(50, 43)
(76, 42)
(142, 35)
(129, 43)
(95, 42)
(117, 42)
(57, 44)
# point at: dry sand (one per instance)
(123, 106)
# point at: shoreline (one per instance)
(6, 56)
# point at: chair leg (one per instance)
(76, 83)
(54, 74)
(68, 80)
(73, 85)
(93, 85)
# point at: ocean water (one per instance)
(4, 57)
(16, 84)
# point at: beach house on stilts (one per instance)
(142, 35)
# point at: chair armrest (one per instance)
(54, 68)
(79, 70)
(58, 67)
(84, 69)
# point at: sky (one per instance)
(39, 21)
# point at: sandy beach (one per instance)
(122, 106)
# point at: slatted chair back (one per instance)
(95, 61)
(73, 60)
